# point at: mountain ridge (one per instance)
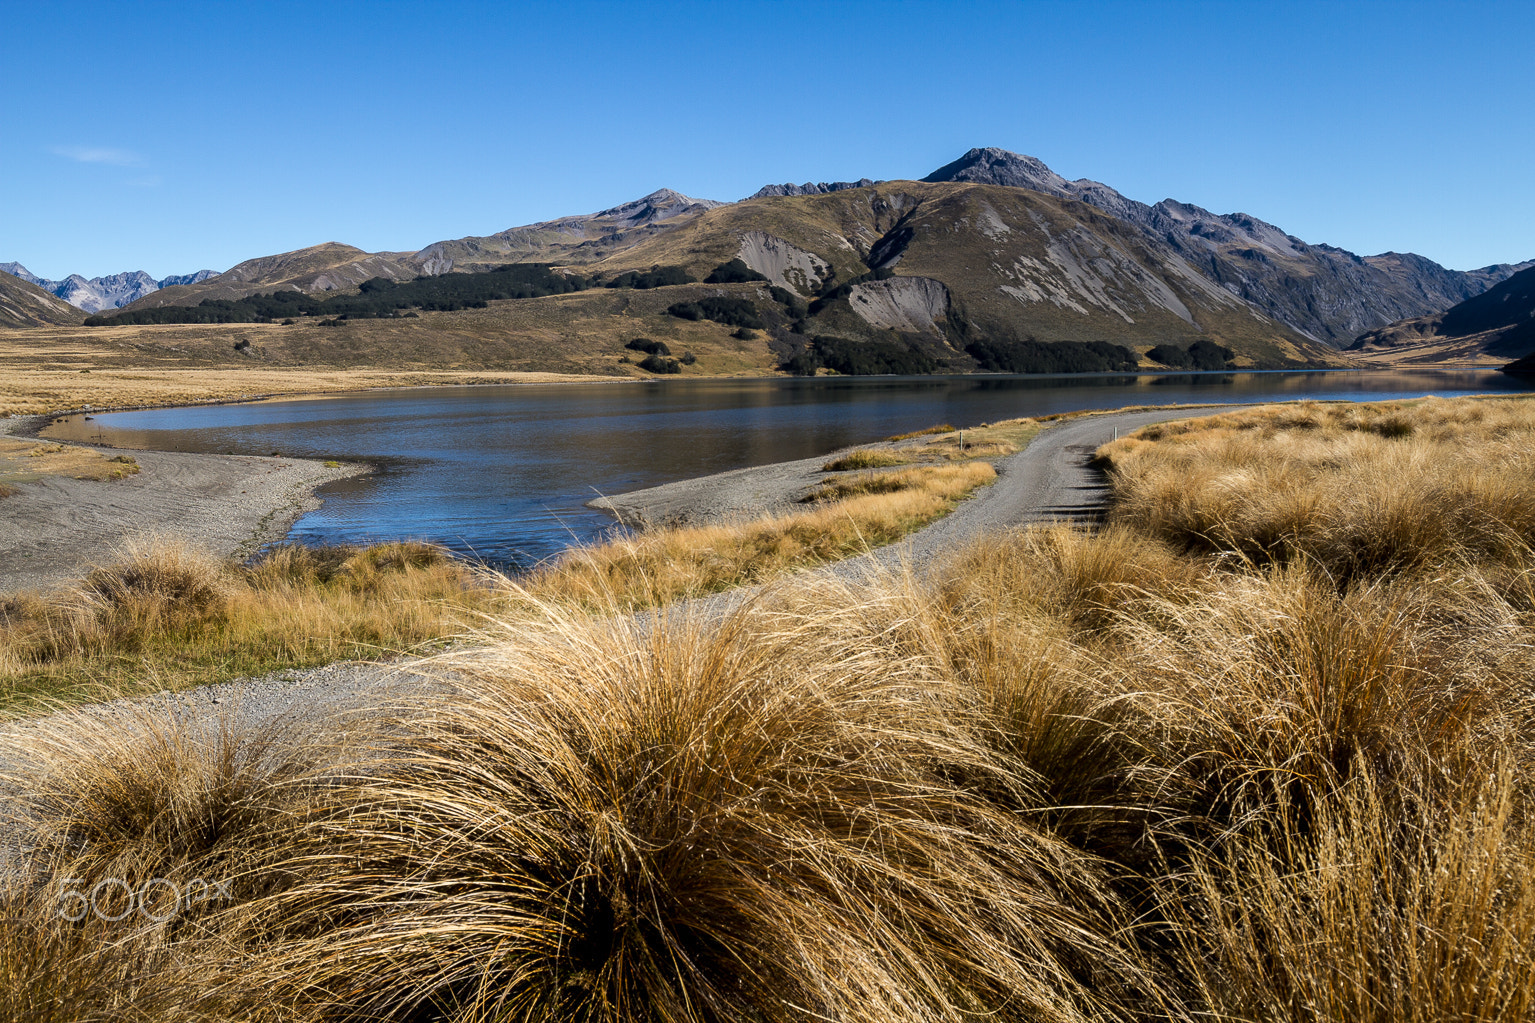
(113, 291)
(1316, 292)
(1500, 322)
(24, 304)
(1325, 292)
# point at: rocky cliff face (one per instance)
(98, 293)
(1324, 292)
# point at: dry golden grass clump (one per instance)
(865, 459)
(165, 614)
(657, 567)
(768, 818)
(1357, 488)
(924, 432)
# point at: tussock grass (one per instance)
(924, 432)
(657, 567)
(1356, 488)
(1075, 775)
(749, 820)
(872, 458)
(163, 614)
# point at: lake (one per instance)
(502, 473)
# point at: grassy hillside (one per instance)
(326, 267)
(45, 369)
(26, 305)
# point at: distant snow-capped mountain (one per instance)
(98, 293)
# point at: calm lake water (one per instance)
(502, 473)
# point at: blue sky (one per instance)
(172, 137)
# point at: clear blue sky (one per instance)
(172, 137)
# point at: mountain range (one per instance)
(1499, 322)
(98, 293)
(994, 248)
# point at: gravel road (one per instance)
(1048, 481)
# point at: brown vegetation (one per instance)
(23, 461)
(865, 458)
(1140, 773)
(166, 616)
(657, 567)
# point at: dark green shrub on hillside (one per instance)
(656, 364)
(378, 297)
(1031, 356)
(732, 312)
(688, 358)
(1201, 354)
(802, 364)
(656, 277)
(792, 303)
(734, 272)
(1170, 355)
(743, 334)
(649, 347)
(869, 358)
(1209, 355)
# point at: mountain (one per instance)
(577, 239)
(330, 266)
(951, 264)
(100, 293)
(1326, 293)
(1499, 323)
(24, 304)
(810, 188)
(992, 248)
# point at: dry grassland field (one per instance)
(1258, 748)
(45, 369)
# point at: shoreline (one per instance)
(37, 421)
(58, 528)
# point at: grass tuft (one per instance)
(866, 459)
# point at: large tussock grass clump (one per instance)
(758, 820)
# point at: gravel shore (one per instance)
(52, 531)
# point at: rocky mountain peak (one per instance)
(993, 166)
(17, 270)
(662, 204)
(811, 188)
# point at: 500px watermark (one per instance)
(157, 899)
